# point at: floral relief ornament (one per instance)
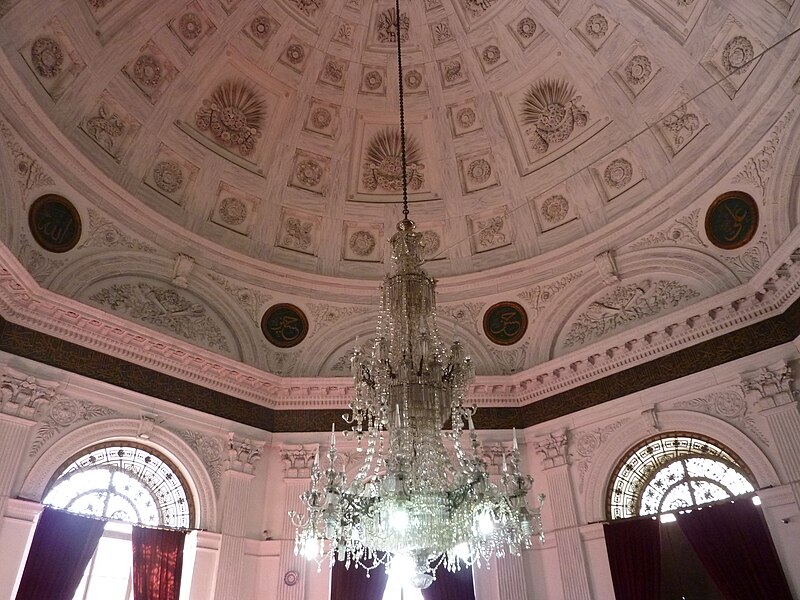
(234, 115)
(551, 110)
(526, 28)
(478, 7)
(308, 7)
(105, 127)
(233, 211)
(681, 124)
(387, 26)
(168, 176)
(618, 173)
(383, 164)
(638, 70)
(47, 57)
(555, 208)
(362, 243)
(64, 413)
(596, 26)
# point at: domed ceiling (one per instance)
(228, 158)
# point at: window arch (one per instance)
(672, 471)
(123, 481)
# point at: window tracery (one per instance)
(674, 471)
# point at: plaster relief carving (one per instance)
(295, 54)
(539, 296)
(261, 28)
(684, 230)
(171, 175)
(323, 119)
(525, 29)
(431, 241)
(297, 460)
(299, 232)
(478, 172)
(373, 80)
(63, 413)
(234, 209)
(624, 305)
(307, 7)
(586, 444)
(192, 26)
(386, 26)
(22, 395)
(151, 71)
(210, 451)
(37, 265)
(327, 315)
(165, 308)
(749, 262)
(616, 173)
(243, 454)
(440, 32)
(552, 449)
(110, 126)
(554, 208)
(414, 82)
(511, 361)
(52, 58)
(728, 405)
(311, 172)
(334, 72)
(103, 233)
(489, 230)
(233, 116)
(769, 387)
(595, 28)
(381, 170)
(452, 71)
(344, 33)
(607, 268)
(182, 270)
(730, 59)
(551, 110)
(757, 169)
(27, 169)
(363, 242)
(490, 55)
(464, 118)
(680, 126)
(252, 301)
(676, 17)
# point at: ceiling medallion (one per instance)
(732, 220)
(422, 496)
(54, 223)
(284, 325)
(505, 323)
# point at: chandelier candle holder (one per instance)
(421, 498)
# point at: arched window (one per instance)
(674, 471)
(128, 484)
(123, 482)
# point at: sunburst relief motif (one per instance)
(234, 114)
(383, 162)
(552, 110)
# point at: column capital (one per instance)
(243, 454)
(297, 460)
(22, 395)
(768, 387)
(552, 448)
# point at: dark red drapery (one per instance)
(353, 584)
(157, 563)
(634, 555)
(62, 546)
(448, 585)
(734, 544)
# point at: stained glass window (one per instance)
(123, 482)
(675, 471)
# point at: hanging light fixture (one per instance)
(420, 498)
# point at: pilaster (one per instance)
(297, 461)
(769, 389)
(236, 478)
(553, 452)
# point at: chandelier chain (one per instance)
(402, 108)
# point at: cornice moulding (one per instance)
(24, 302)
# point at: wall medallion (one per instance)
(284, 325)
(54, 223)
(505, 323)
(732, 220)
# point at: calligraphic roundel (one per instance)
(54, 223)
(284, 325)
(732, 220)
(505, 323)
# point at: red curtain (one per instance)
(62, 546)
(157, 563)
(734, 544)
(634, 555)
(353, 583)
(449, 585)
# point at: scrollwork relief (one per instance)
(586, 444)
(728, 405)
(684, 230)
(758, 168)
(104, 234)
(63, 413)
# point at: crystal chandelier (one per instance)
(421, 497)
